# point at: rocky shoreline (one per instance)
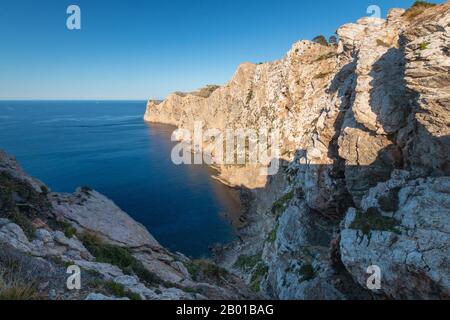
(42, 233)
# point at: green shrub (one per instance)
(58, 260)
(65, 227)
(273, 234)
(281, 204)
(190, 290)
(20, 203)
(23, 222)
(321, 40)
(258, 275)
(118, 256)
(333, 40)
(115, 289)
(44, 190)
(374, 220)
(132, 295)
(204, 268)
(306, 272)
(193, 269)
(86, 190)
(423, 46)
(247, 263)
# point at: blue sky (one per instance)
(140, 49)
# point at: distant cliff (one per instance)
(365, 127)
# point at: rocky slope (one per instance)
(365, 127)
(43, 233)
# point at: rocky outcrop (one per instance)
(117, 256)
(350, 116)
(402, 227)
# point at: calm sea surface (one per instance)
(107, 146)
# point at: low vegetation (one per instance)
(417, 8)
(373, 220)
(202, 268)
(247, 263)
(389, 201)
(333, 40)
(306, 272)
(115, 289)
(259, 273)
(423, 46)
(206, 91)
(321, 40)
(256, 267)
(65, 227)
(383, 44)
(13, 288)
(281, 204)
(21, 203)
(273, 234)
(322, 75)
(86, 190)
(19, 275)
(118, 256)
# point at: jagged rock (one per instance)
(91, 211)
(13, 235)
(410, 243)
(301, 244)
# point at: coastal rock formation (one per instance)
(364, 127)
(42, 233)
(402, 227)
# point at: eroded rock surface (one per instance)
(118, 257)
(350, 116)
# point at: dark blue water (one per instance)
(108, 146)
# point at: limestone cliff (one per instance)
(365, 127)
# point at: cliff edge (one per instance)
(365, 138)
(43, 233)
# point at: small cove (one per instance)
(107, 146)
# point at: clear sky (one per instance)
(138, 49)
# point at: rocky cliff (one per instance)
(365, 127)
(42, 233)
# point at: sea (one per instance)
(107, 146)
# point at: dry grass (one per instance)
(20, 275)
(417, 8)
(12, 288)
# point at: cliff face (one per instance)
(43, 233)
(365, 144)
